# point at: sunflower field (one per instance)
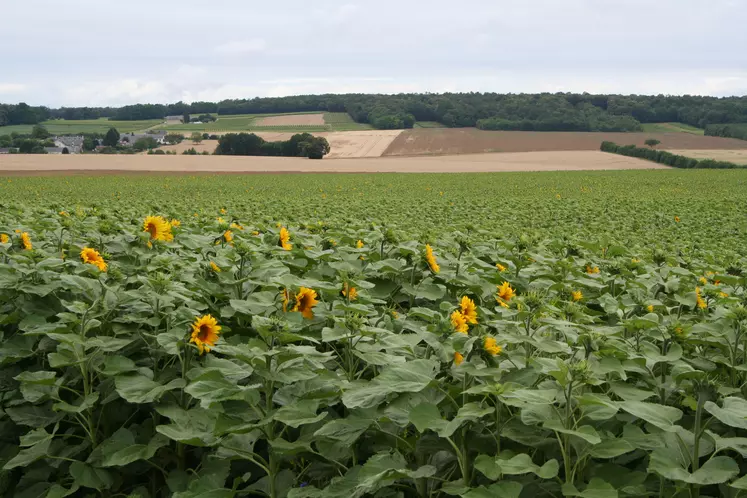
(386, 336)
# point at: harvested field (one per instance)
(350, 144)
(292, 120)
(473, 141)
(528, 161)
(735, 156)
(205, 145)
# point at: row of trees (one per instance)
(249, 144)
(664, 157)
(546, 111)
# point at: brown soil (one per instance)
(292, 120)
(473, 141)
(527, 161)
(735, 156)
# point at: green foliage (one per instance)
(196, 137)
(652, 142)
(111, 139)
(145, 143)
(173, 138)
(249, 144)
(738, 130)
(664, 157)
(39, 132)
(634, 389)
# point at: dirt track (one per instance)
(473, 141)
(528, 161)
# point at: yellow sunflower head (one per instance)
(592, 270)
(285, 239)
(359, 244)
(26, 241)
(431, 259)
(4, 238)
(459, 322)
(228, 236)
(305, 301)
(158, 228)
(577, 295)
(205, 332)
(676, 219)
(215, 267)
(175, 223)
(468, 310)
(349, 292)
(500, 267)
(92, 257)
(505, 292)
(491, 346)
(458, 358)
(650, 308)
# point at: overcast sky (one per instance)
(96, 52)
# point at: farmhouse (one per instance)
(173, 119)
(131, 138)
(4, 151)
(74, 144)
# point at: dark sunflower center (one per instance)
(152, 229)
(204, 333)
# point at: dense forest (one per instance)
(490, 111)
(727, 130)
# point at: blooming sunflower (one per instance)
(92, 257)
(26, 241)
(359, 244)
(458, 358)
(158, 228)
(468, 310)
(676, 219)
(577, 295)
(459, 322)
(228, 236)
(285, 238)
(305, 301)
(215, 267)
(205, 332)
(592, 270)
(346, 289)
(491, 346)
(701, 303)
(650, 308)
(4, 238)
(723, 294)
(175, 223)
(500, 267)
(505, 293)
(431, 259)
(237, 226)
(703, 281)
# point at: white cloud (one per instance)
(11, 88)
(122, 92)
(242, 47)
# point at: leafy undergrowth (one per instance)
(230, 344)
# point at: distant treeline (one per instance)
(491, 111)
(737, 130)
(664, 157)
(249, 144)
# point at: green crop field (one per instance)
(63, 127)
(671, 127)
(429, 124)
(341, 121)
(334, 121)
(385, 336)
